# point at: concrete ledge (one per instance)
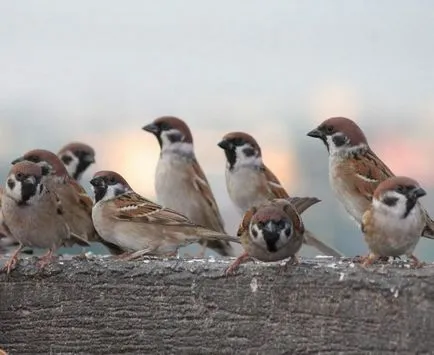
(106, 306)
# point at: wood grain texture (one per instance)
(101, 306)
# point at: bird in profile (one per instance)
(139, 226)
(180, 182)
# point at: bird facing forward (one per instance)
(76, 203)
(355, 171)
(394, 222)
(33, 214)
(250, 183)
(273, 231)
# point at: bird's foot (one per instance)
(293, 261)
(238, 261)
(368, 260)
(10, 265)
(13, 261)
(45, 259)
(415, 262)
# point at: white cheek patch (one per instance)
(113, 191)
(344, 150)
(398, 210)
(15, 192)
(244, 160)
(165, 136)
(257, 236)
(71, 167)
(183, 148)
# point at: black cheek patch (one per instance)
(390, 201)
(175, 137)
(249, 152)
(11, 184)
(119, 192)
(288, 232)
(45, 170)
(339, 140)
(254, 233)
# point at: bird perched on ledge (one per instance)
(394, 222)
(273, 231)
(33, 214)
(76, 203)
(250, 183)
(136, 224)
(354, 169)
(180, 183)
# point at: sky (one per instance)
(97, 71)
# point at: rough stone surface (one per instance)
(322, 306)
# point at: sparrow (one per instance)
(355, 171)
(76, 157)
(180, 182)
(250, 183)
(34, 214)
(394, 222)
(273, 230)
(6, 239)
(136, 224)
(77, 205)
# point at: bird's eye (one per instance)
(19, 176)
(112, 180)
(329, 129)
(164, 126)
(34, 159)
(280, 224)
(238, 141)
(400, 189)
(261, 225)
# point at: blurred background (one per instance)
(97, 71)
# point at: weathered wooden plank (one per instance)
(189, 307)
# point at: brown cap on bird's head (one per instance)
(401, 184)
(166, 123)
(233, 139)
(108, 177)
(44, 158)
(79, 149)
(24, 169)
(27, 174)
(339, 124)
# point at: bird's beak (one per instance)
(226, 145)
(418, 192)
(17, 160)
(316, 133)
(152, 128)
(97, 181)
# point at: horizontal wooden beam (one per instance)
(176, 306)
